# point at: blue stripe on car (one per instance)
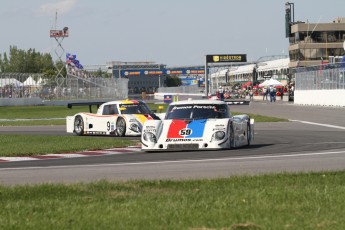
(197, 128)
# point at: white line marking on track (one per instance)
(325, 125)
(90, 153)
(18, 158)
(63, 155)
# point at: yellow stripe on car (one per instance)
(140, 117)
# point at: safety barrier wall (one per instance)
(322, 85)
(320, 97)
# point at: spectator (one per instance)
(221, 93)
(272, 93)
(265, 92)
(251, 95)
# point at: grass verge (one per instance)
(28, 145)
(283, 201)
(260, 118)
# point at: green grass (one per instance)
(39, 112)
(34, 112)
(283, 201)
(260, 118)
(33, 122)
(28, 145)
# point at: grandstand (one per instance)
(276, 67)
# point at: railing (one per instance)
(17, 85)
(322, 77)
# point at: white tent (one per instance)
(41, 81)
(30, 82)
(271, 82)
(10, 81)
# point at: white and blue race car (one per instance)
(197, 125)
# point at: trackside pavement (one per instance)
(314, 114)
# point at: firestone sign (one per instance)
(218, 58)
(221, 58)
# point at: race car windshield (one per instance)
(134, 109)
(197, 112)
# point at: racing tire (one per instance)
(79, 125)
(249, 138)
(121, 127)
(232, 137)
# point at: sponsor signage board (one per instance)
(177, 71)
(168, 99)
(219, 58)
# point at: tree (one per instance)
(173, 81)
(5, 64)
(21, 61)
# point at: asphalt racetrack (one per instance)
(313, 140)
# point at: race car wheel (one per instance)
(79, 125)
(248, 134)
(232, 137)
(121, 127)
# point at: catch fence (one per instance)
(322, 77)
(71, 87)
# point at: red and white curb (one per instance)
(102, 152)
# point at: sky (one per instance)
(171, 32)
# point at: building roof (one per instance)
(273, 65)
(244, 69)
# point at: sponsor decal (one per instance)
(204, 107)
(95, 133)
(219, 129)
(181, 107)
(226, 58)
(177, 139)
(183, 140)
(149, 130)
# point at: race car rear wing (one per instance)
(90, 104)
(236, 102)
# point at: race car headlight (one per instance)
(217, 136)
(150, 137)
(134, 127)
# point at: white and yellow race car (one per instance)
(197, 125)
(116, 118)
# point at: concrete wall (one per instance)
(320, 97)
(20, 101)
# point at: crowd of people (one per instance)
(8, 91)
(268, 93)
(273, 93)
